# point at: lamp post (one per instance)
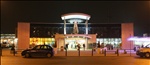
(130, 46)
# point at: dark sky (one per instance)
(137, 12)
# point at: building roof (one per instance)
(75, 15)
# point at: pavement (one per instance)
(87, 52)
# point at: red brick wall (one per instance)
(23, 35)
(127, 31)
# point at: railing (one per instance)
(95, 52)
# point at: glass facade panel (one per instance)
(114, 41)
(102, 30)
(40, 41)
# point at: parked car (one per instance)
(38, 51)
(144, 52)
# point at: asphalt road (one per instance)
(75, 60)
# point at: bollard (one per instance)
(117, 52)
(105, 52)
(14, 52)
(66, 52)
(79, 51)
(92, 52)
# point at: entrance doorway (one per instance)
(73, 42)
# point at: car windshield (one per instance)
(147, 46)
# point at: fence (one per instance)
(93, 52)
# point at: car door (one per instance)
(35, 51)
(43, 50)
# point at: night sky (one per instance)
(137, 12)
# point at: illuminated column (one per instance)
(86, 32)
(64, 31)
(86, 39)
(86, 26)
(75, 28)
(64, 26)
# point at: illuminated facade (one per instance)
(63, 33)
(8, 39)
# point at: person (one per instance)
(84, 46)
(102, 45)
(78, 46)
(142, 46)
(98, 48)
(98, 45)
(67, 46)
(33, 44)
(13, 49)
(111, 46)
(44, 43)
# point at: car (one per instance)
(144, 52)
(38, 51)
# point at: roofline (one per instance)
(76, 14)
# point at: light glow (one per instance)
(75, 15)
(139, 39)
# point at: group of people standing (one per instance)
(78, 46)
(108, 46)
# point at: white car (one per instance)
(144, 52)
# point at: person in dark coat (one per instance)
(67, 46)
(84, 46)
(13, 49)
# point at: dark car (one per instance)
(38, 51)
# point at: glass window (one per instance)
(44, 47)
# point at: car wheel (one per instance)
(27, 55)
(49, 55)
(147, 55)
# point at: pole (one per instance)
(79, 51)
(117, 52)
(0, 50)
(130, 46)
(104, 52)
(66, 51)
(92, 51)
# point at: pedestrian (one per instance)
(142, 46)
(67, 46)
(111, 46)
(13, 49)
(98, 45)
(84, 46)
(78, 46)
(102, 45)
